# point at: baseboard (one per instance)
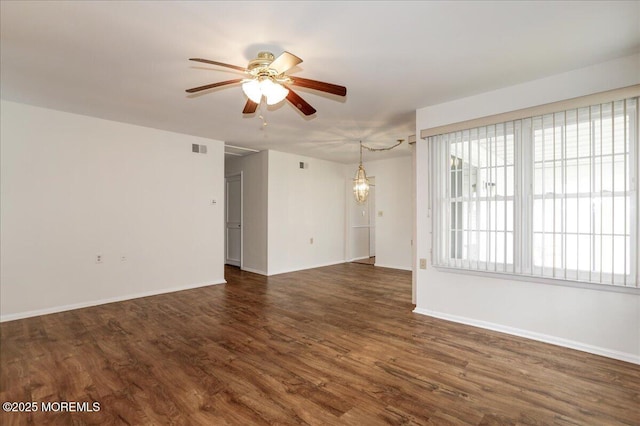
(56, 309)
(403, 268)
(558, 341)
(286, 271)
(254, 271)
(359, 258)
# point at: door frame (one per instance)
(350, 227)
(226, 211)
(372, 217)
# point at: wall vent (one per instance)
(201, 149)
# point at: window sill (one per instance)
(542, 280)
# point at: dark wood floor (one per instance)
(329, 346)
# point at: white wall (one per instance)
(585, 318)
(75, 186)
(254, 170)
(610, 75)
(393, 192)
(304, 204)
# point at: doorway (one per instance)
(363, 228)
(233, 220)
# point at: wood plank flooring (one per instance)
(337, 345)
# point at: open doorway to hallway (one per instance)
(233, 220)
(363, 227)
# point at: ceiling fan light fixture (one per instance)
(274, 92)
(266, 76)
(257, 88)
(252, 89)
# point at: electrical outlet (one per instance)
(123, 258)
(423, 263)
(99, 258)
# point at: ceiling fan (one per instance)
(266, 77)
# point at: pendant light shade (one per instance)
(251, 88)
(274, 92)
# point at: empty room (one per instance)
(319, 212)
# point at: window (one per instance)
(549, 196)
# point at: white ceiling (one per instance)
(128, 61)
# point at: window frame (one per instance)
(523, 197)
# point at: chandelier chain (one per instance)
(378, 149)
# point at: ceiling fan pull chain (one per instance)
(261, 117)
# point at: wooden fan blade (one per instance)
(300, 103)
(211, 86)
(285, 62)
(250, 107)
(220, 64)
(334, 89)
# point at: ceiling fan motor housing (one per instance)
(263, 60)
(260, 70)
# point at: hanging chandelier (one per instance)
(360, 181)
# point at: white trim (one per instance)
(63, 308)
(403, 268)
(541, 280)
(558, 341)
(241, 218)
(253, 271)
(226, 229)
(285, 271)
(240, 148)
(360, 258)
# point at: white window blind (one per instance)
(550, 196)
